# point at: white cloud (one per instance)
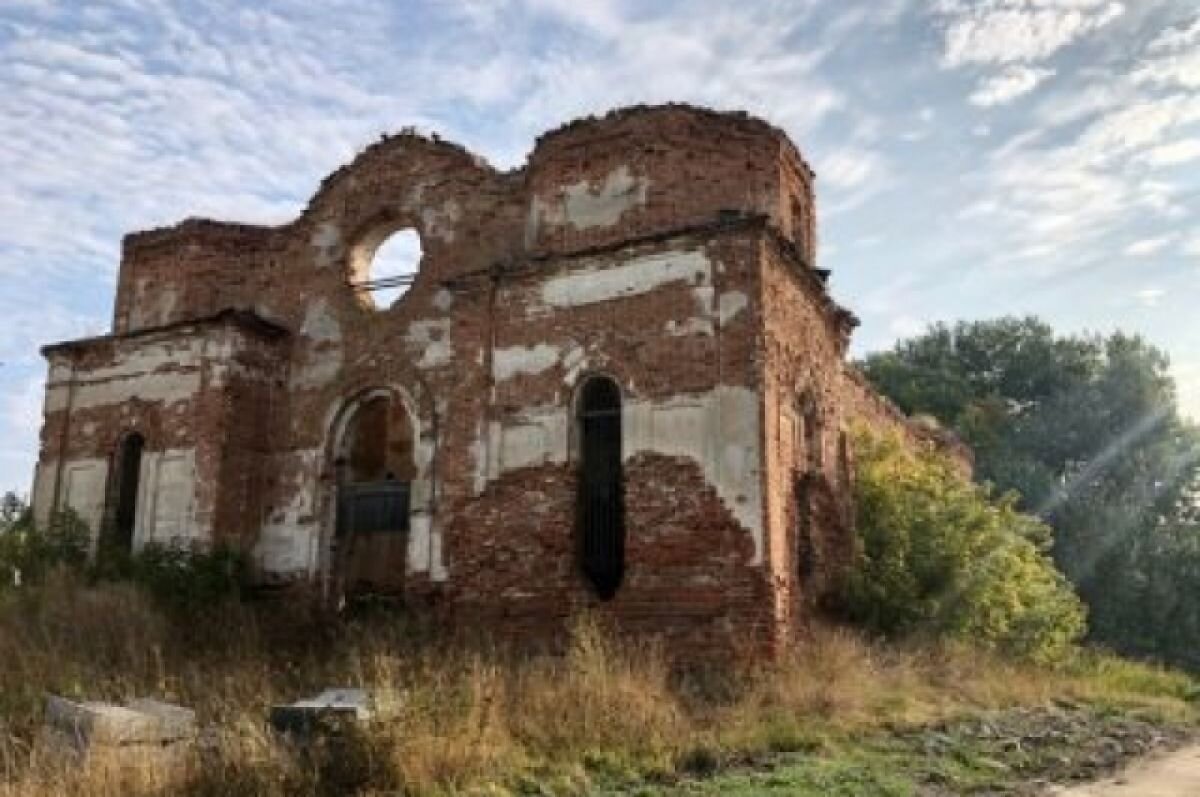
(1173, 58)
(1177, 38)
(1012, 31)
(1149, 297)
(1150, 246)
(849, 167)
(1004, 87)
(1180, 69)
(906, 326)
(1172, 154)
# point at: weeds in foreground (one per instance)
(459, 715)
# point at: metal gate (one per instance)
(372, 535)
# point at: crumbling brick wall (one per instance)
(670, 249)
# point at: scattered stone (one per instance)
(141, 733)
(330, 710)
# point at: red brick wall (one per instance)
(667, 248)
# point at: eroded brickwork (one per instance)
(670, 249)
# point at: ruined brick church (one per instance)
(615, 380)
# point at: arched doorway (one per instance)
(600, 520)
(374, 469)
(123, 492)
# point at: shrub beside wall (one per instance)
(179, 579)
(942, 556)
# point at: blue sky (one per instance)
(974, 158)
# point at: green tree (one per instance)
(941, 555)
(1087, 430)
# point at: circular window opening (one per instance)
(392, 268)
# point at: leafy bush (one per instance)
(27, 552)
(186, 579)
(177, 578)
(940, 555)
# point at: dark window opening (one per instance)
(845, 470)
(799, 231)
(128, 472)
(601, 508)
(814, 456)
(806, 555)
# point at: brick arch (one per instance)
(144, 418)
(418, 407)
(443, 192)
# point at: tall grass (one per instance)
(459, 714)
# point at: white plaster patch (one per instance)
(83, 486)
(513, 360)
(688, 327)
(320, 323)
(153, 371)
(718, 430)
(443, 299)
(439, 222)
(166, 500)
(433, 338)
(317, 367)
(635, 276)
(584, 205)
(152, 307)
(327, 240)
(729, 305)
(575, 362)
(42, 497)
(288, 544)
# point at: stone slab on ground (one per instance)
(142, 734)
(330, 708)
(143, 721)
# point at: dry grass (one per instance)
(468, 717)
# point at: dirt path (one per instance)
(1174, 774)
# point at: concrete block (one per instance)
(89, 725)
(330, 709)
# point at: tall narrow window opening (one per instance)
(128, 472)
(813, 453)
(845, 466)
(601, 509)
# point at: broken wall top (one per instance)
(595, 182)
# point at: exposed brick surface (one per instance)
(671, 249)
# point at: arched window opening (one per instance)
(799, 226)
(125, 495)
(845, 471)
(385, 270)
(601, 507)
(375, 469)
(806, 555)
(813, 442)
(377, 444)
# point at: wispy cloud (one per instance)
(1008, 85)
(1018, 31)
(1150, 246)
(1150, 296)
